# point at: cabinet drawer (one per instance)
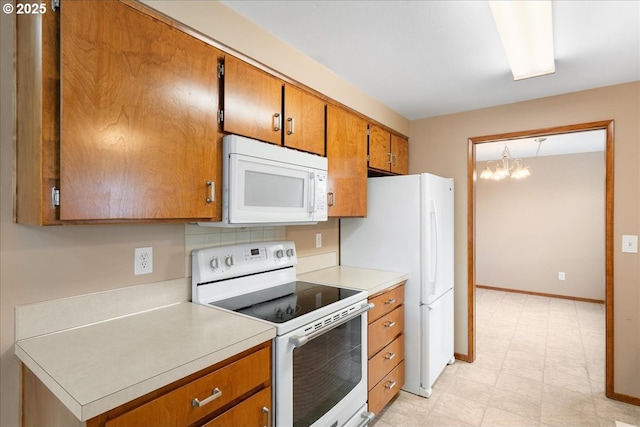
(385, 329)
(249, 412)
(176, 409)
(385, 360)
(384, 391)
(386, 302)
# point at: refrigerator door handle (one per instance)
(433, 271)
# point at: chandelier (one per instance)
(508, 166)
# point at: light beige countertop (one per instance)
(98, 367)
(372, 281)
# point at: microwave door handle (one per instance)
(312, 192)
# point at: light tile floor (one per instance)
(540, 363)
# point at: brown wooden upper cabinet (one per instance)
(347, 156)
(388, 152)
(129, 125)
(252, 102)
(260, 106)
(303, 121)
(399, 155)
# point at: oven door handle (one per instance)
(300, 340)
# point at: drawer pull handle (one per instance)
(390, 324)
(390, 355)
(276, 122)
(390, 385)
(215, 393)
(267, 412)
(292, 124)
(390, 301)
(212, 192)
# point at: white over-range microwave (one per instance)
(269, 184)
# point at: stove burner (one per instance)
(282, 303)
(278, 310)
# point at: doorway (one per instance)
(608, 127)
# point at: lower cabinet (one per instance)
(254, 411)
(236, 391)
(386, 347)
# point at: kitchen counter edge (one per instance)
(30, 352)
(366, 279)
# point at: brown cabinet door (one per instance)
(400, 155)
(379, 148)
(252, 102)
(215, 390)
(384, 330)
(139, 136)
(386, 389)
(347, 158)
(386, 302)
(303, 121)
(252, 412)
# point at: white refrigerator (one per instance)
(409, 228)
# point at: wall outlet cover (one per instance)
(630, 244)
(143, 261)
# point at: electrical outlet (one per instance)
(318, 240)
(561, 275)
(143, 261)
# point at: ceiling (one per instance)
(429, 58)
(550, 145)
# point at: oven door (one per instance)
(322, 381)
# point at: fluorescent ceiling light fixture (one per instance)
(526, 30)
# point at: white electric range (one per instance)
(320, 351)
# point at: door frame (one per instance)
(608, 126)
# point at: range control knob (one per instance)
(279, 253)
(290, 252)
(229, 261)
(214, 263)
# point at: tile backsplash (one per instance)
(196, 237)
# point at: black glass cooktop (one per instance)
(285, 302)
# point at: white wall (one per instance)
(529, 230)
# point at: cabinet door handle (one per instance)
(330, 199)
(292, 124)
(390, 385)
(390, 355)
(276, 122)
(212, 191)
(390, 301)
(393, 159)
(215, 393)
(390, 158)
(267, 412)
(390, 324)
